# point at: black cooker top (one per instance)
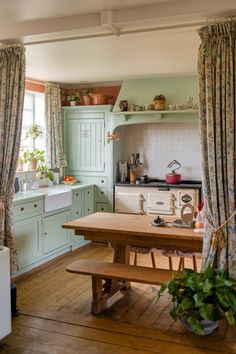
(155, 182)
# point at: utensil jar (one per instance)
(133, 176)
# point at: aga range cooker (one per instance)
(156, 197)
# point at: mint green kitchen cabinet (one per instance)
(28, 234)
(77, 211)
(55, 237)
(88, 153)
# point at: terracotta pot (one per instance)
(33, 165)
(87, 100)
(73, 103)
(159, 105)
(99, 98)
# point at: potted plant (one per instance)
(100, 98)
(202, 299)
(87, 96)
(33, 131)
(33, 157)
(73, 98)
(159, 102)
(44, 172)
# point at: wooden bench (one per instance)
(117, 276)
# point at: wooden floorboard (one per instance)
(55, 316)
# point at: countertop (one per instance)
(32, 194)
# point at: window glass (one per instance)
(33, 113)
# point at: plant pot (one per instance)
(73, 103)
(33, 165)
(99, 98)
(159, 105)
(87, 100)
(208, 326)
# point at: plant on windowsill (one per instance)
(87, 97)
(33, 157)
(73, 98)
(202, 299)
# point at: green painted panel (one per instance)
(54, 236)
(28, 234)
(88, 201)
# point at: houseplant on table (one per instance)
(73, 98)
(87, 96)
(202, 299)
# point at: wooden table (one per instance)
(122, 231)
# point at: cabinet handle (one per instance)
(22, 209)
(88, 192)
(102, 192)
(88, 209)
(77, 194)
(102, 208)
(45, 233)
(102, 180)
(77, 213)
(35, 205)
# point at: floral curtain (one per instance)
(55, 156)
(217, 99)
(12, 78)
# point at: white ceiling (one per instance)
(75, 42)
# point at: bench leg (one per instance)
(98, 302)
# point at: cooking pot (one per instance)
(173, 178)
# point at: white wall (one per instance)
(162, 143)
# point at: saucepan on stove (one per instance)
(173, 177)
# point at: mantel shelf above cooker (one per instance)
(140, 117)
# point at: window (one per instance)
(33, 113)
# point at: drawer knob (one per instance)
(77, 194)
(35, 205)
(22, 209)
(45, 233)
(77, 213)
(88, 209)
(102, 180)
(102, 208)
(88, 192)
(102, 192)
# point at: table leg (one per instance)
(121, 255)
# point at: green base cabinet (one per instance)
(28, 240)
(54, 236)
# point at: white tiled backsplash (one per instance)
(160, 144)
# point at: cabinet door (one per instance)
(28, 234)
(86, 145)
(88, 201)
(54, 236)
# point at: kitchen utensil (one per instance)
(173, 177)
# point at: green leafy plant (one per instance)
(87, 91)
(36, 154)
(44, 172)
(74, 97)
(33, 131)
(209, 295)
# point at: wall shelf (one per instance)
(125, 115)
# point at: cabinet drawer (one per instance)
(27, 209)
(102, 207)
(101, 195)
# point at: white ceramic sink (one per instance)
(56, 199)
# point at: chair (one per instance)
(182, 256)
(143, 250)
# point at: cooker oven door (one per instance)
(160, 203)
(129, 203)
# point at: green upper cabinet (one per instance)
(85, 139)
(86, 144)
